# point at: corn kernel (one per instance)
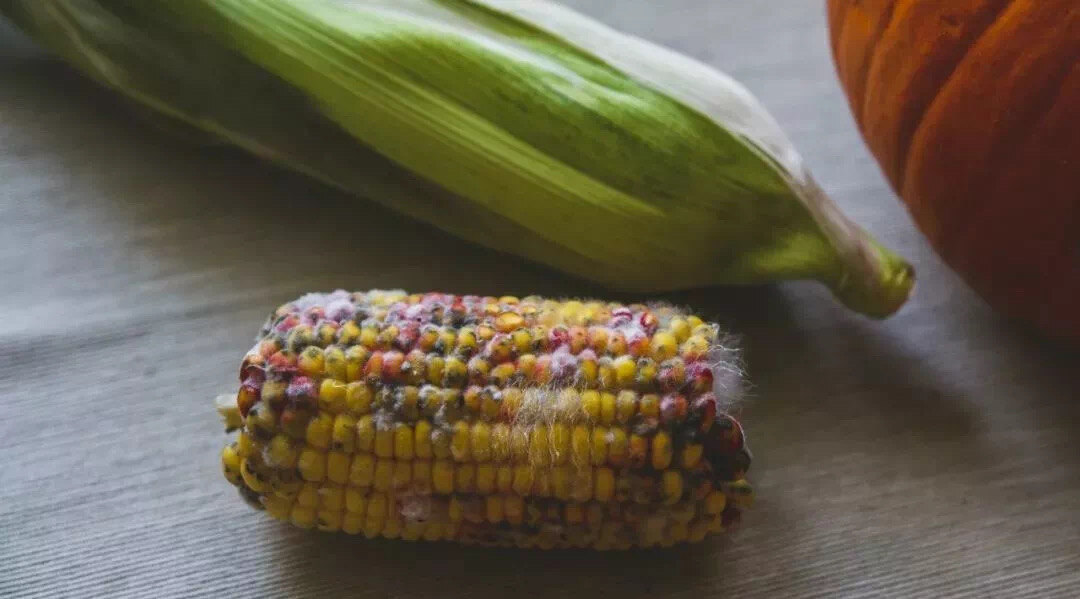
(356, 358)
(579, 443)
(277, 507)
(384, 475)
(691, 456)
(421, 440)
(480, 442)
(384, 442)
(355, 500)
(312, 465)
(650, 405)
(343, 436)
(308, 495)
(514, 509)
(604, 484)
(485, 478)
(523, 479)
(253, 475)
(599, 446)
(319, 430)
(561, 478)
(539, 446)
(582, 484)
(465, 478)
(301, 516)
(337, 467)
(626, 404)
(671, 485)
(442, 477)
(504, 478)
(459, 442)
(494, 511)
(402, 474)
(332, 396)
(311, 361)
(403, 441)
(332, 497)
(421, 477)
(230, 463)
(617, 447)
(362, 471)
(280, 452)
(661, 450)
(715, 502)
(365, 434)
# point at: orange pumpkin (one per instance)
(972, 109)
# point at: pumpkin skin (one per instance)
(972, 109)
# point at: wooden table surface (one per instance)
(934, 454)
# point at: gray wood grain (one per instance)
(934, 454)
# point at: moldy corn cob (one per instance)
(493, 421)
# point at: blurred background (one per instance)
(932, 454)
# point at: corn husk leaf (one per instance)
(522, 126)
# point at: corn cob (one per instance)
(491, 421)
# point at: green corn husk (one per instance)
(520, 126)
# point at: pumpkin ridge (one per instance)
(868, 64)
(961, 229)
(908, 133)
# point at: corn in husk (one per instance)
(521, 126)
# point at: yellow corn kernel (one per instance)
(421, 476)
(599, 446)
(435, 531)
(671, 486)
(308, 495)
(504, 478)
(301, 516)
(312, 465)
(455, 511)
(539, 447)
(358, 398)
(561, 478)
(691, 455)
(332, 396)
(384, 441)
(442, 476)
(485, 478)
(362, 471)
(618, 446)
(403, 441)
(500, 376)
(245, 446)
(280, 452)
(352, 523)
(680, 329)
(579, 445)
(590, 405)
(607, 408)
(356, 357)
(252, 473)
(514, 509)
(512, 399)
(384, 475)
(402, 475)
(480, 442)
(519, 444)
(625, 406)
(494, 510)
(624, 370)
(337, 467)
(664, 345)
(355, 500)
(230, 464)
(650, 405)
(422, 440)
(459, 441)
(523, 479)
(277, 507)
(465, 478)
(440, 443)
(376, 515)
(365, 434)
(455, 372)
(332, 497)
(696, 346)
(661, 450)
(319, 430)
(393, 527)
(311, 362)
(522, 341)
(560, 443)
(343, 436)
(604, 484)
